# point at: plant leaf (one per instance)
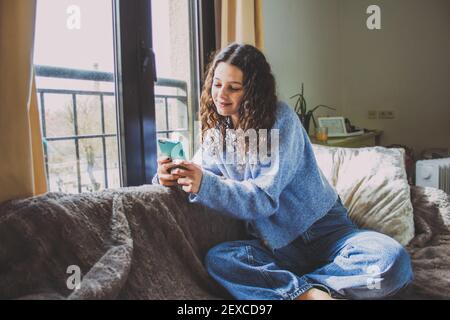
(322, 105)
(314, 120)
(303, 105)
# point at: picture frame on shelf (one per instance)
(336, 127)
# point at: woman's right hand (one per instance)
(164, 176)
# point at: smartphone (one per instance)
(172, 149)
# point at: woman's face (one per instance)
(227, 90)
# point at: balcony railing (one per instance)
(97, 76)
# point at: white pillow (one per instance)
(373, 186)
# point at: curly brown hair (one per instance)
(258, 105)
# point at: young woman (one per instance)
(305, 246)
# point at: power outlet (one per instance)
(372, 114)
(386, 114)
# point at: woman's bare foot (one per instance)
(315, 294)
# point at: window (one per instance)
(74, 58)
(174, 25)
(101, 109)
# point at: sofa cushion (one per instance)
(373, 185)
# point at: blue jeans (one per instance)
(332, 255)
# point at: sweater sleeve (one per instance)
(257, 197)
(206, 162)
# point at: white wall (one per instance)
(302, 44)
(404, 67)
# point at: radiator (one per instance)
(434, 173)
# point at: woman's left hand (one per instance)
(191, 177)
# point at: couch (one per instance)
(148, 242)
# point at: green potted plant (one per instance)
(304, 115)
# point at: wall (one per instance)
(302, 44)
(404, 67)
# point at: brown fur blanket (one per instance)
(149, 242)
(430, 248)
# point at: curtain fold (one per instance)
(21, 156)
(241, 21)
(39, 178)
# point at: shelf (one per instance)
(369, 139)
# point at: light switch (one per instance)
(386, 114)
(372, 114)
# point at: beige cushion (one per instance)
(372, 184)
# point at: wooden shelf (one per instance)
(368, 139)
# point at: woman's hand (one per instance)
(190, 177)
(166, 178)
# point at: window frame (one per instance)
(135, 85)
(207, 32)
(135, 91)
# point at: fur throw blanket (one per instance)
(148, 242)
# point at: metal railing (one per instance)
(96, 76)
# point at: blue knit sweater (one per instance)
(278, 202)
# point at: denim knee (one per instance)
(219, 256)
(394, 270)
(249, 271)
(214, 255)
(400, 273)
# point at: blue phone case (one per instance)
(172, 149)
